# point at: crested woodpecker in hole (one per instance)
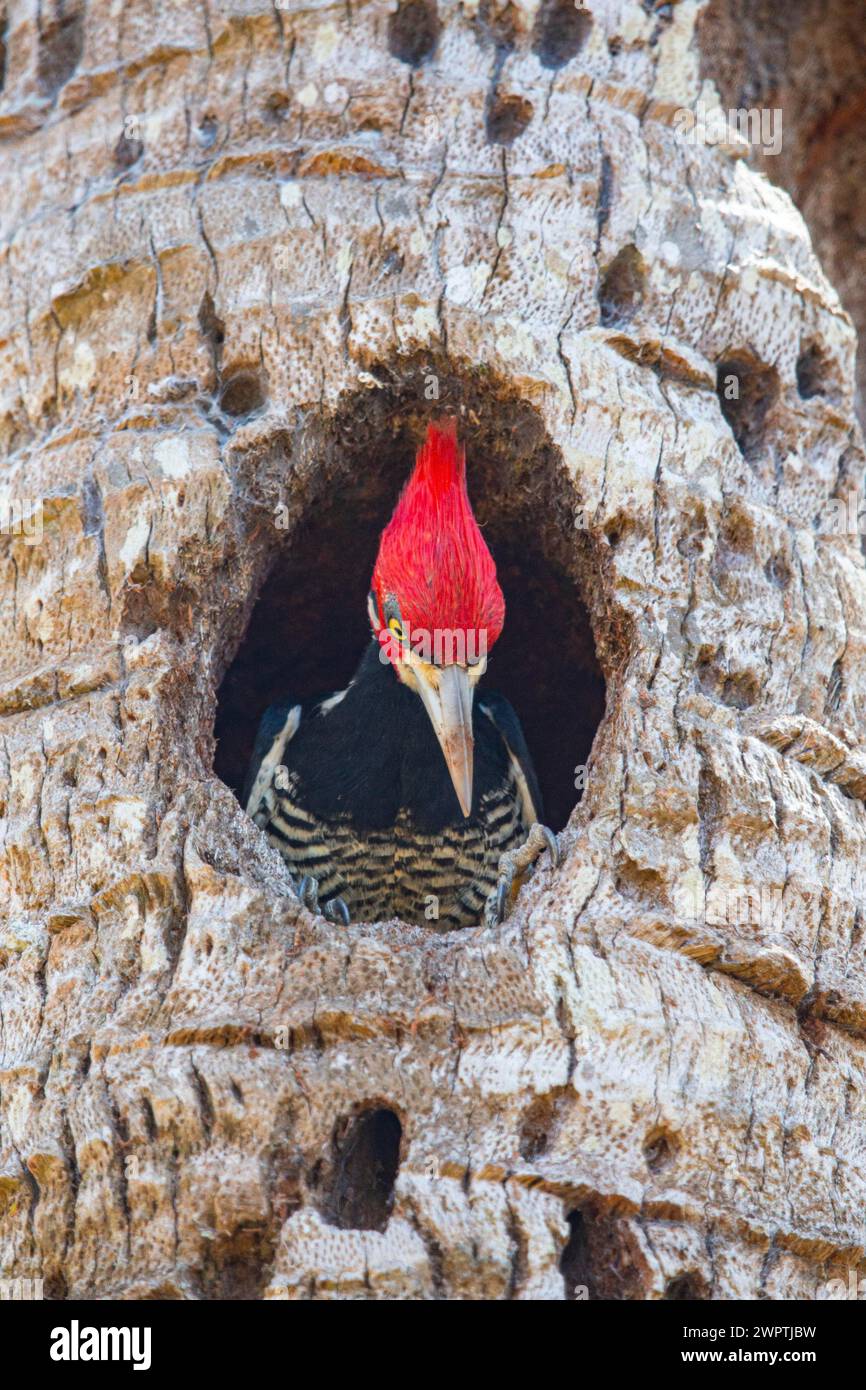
(412, 792)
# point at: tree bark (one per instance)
(243, 247)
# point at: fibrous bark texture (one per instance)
(246, 251)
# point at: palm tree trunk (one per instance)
(246, 250)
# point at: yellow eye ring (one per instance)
(396, 627)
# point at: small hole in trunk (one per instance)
(561, 30)
(60, 48)
(747, 390)
(622, 288)
(367, 1159)
(687, 1288)
(508, 116)
(413, 31)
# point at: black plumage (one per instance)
(354, 791)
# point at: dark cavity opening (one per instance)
(242, 393)
(574, 1260)
(127, 152)
(561, 29)
(309, 628)
(366, 1162)
(508, 116)
(413, 31)
(537, 1127)
(60, 48)
(207, 130)
(660, 1148)
(815, 372)
(622, 287)
(236, 1263)
(687, 1288)
(212, 330)
(747, 389)
(601, 1255)
(496, 23)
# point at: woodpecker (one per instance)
(411, 793)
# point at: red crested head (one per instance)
(435, 580)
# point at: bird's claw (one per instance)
(308, 892)
(513, 865)
(552, 844)
(335, 910)
(502, 895)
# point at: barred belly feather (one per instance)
(374, 819)
(442, 879)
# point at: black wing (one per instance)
(500, 713)
(278, 724)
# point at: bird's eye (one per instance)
(396, 627)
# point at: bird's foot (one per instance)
(513, 867)
(335, 910)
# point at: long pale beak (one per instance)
(449, 705)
